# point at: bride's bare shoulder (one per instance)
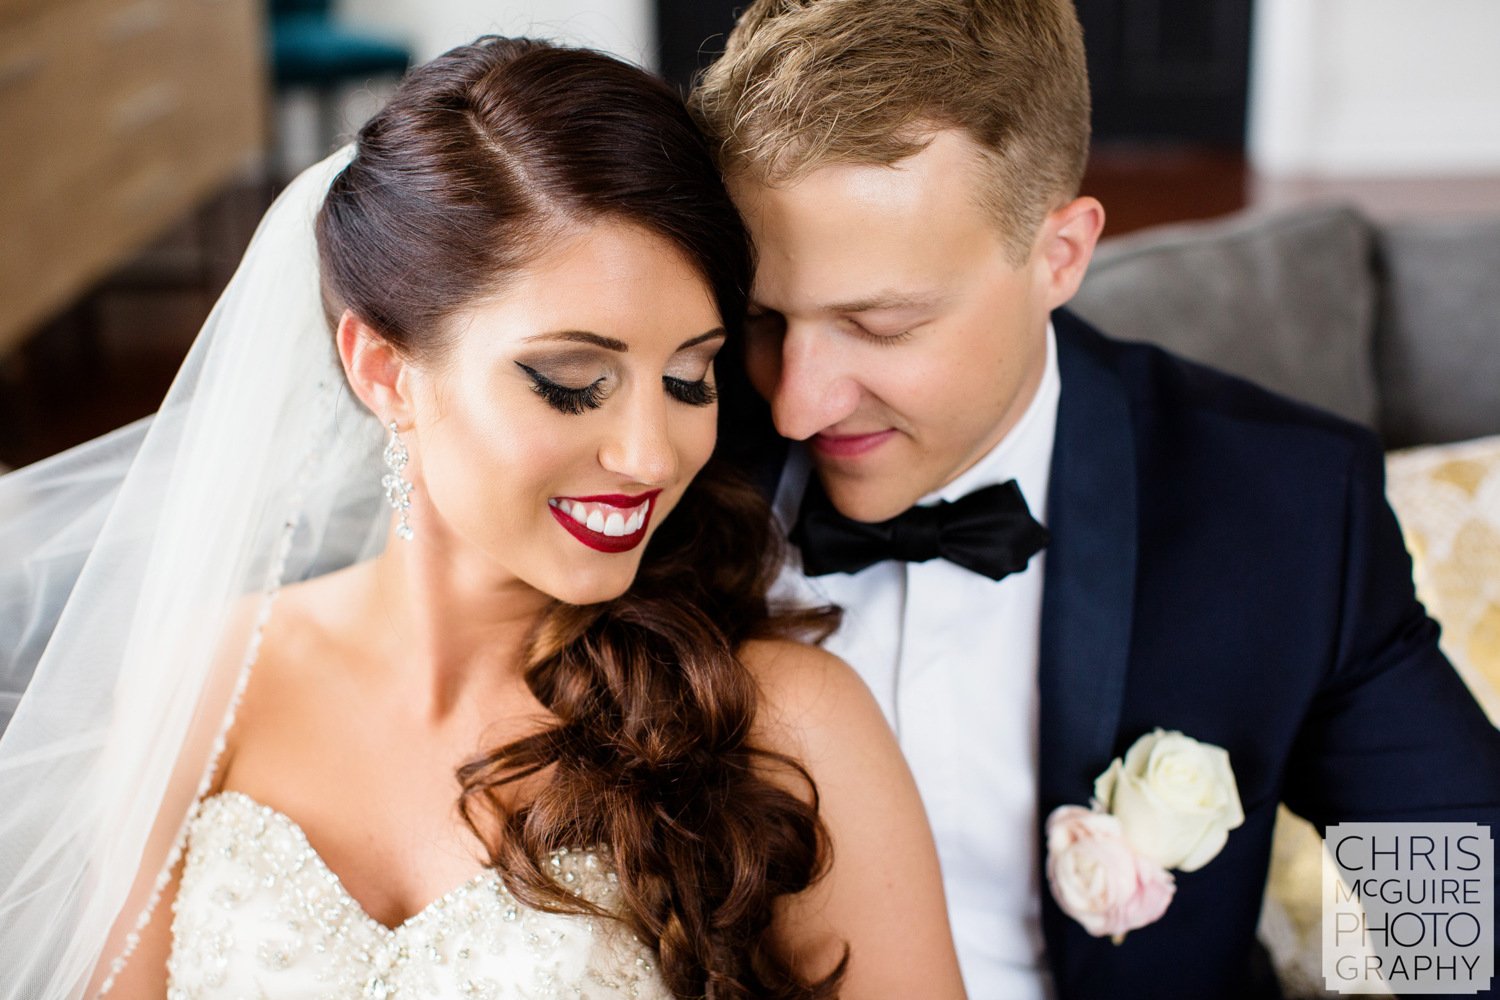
(795, 674)
(810, 700)
(308, 622)
(308, 613)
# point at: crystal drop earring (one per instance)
(397, 488)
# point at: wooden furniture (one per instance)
(117, 117)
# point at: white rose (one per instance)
(1175, 797)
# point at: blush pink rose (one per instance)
(1098, 879)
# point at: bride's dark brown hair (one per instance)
(481, 158)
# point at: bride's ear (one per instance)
(377, 372)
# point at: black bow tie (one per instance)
(990, 531)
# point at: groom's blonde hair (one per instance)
(807, 83)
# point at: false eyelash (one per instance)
(699, 393)
(564, 398)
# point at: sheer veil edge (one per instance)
(136, 573)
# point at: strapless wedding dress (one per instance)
(260, 915)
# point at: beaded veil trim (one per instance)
(275, 575)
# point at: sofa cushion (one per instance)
(1447, 498)
(1437, 343)
(1287, 300)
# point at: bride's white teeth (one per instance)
(605, 518)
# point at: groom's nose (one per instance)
(814, 388)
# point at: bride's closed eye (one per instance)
(566, 399)
(695, 393)
(574, 400)
(694, 358)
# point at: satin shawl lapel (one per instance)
(1088, 598)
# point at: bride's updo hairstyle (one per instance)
(481, 158)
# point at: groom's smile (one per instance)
(832, 445)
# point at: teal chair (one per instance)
(312, 51)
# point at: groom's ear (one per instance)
(1066, 243)
(376, 371)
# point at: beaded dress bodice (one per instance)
(259, 914)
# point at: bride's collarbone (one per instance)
(328, 739)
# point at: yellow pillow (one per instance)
(1447, 498)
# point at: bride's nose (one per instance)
(638, 445)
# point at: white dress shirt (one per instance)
(952, 658)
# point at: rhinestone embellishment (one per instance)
(258, 913)
(397, 487)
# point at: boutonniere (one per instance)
(1170, 803)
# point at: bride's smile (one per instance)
(608, 523)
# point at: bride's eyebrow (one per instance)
(611, 344)
(713, 334)
(582, 337)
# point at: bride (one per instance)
(432, 657)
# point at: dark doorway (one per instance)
(1162, 70)
(691, 34)
(1174, 70)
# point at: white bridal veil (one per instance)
(135, 572)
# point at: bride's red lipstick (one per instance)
(631, 510)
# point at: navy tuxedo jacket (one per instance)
(1223, 562)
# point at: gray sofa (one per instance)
(1395, 325)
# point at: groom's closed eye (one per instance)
(875, 336)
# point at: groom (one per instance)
(1215, 560)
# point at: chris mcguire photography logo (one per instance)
(1410, 906)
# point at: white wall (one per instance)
(1375, 87)
(623, 27)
